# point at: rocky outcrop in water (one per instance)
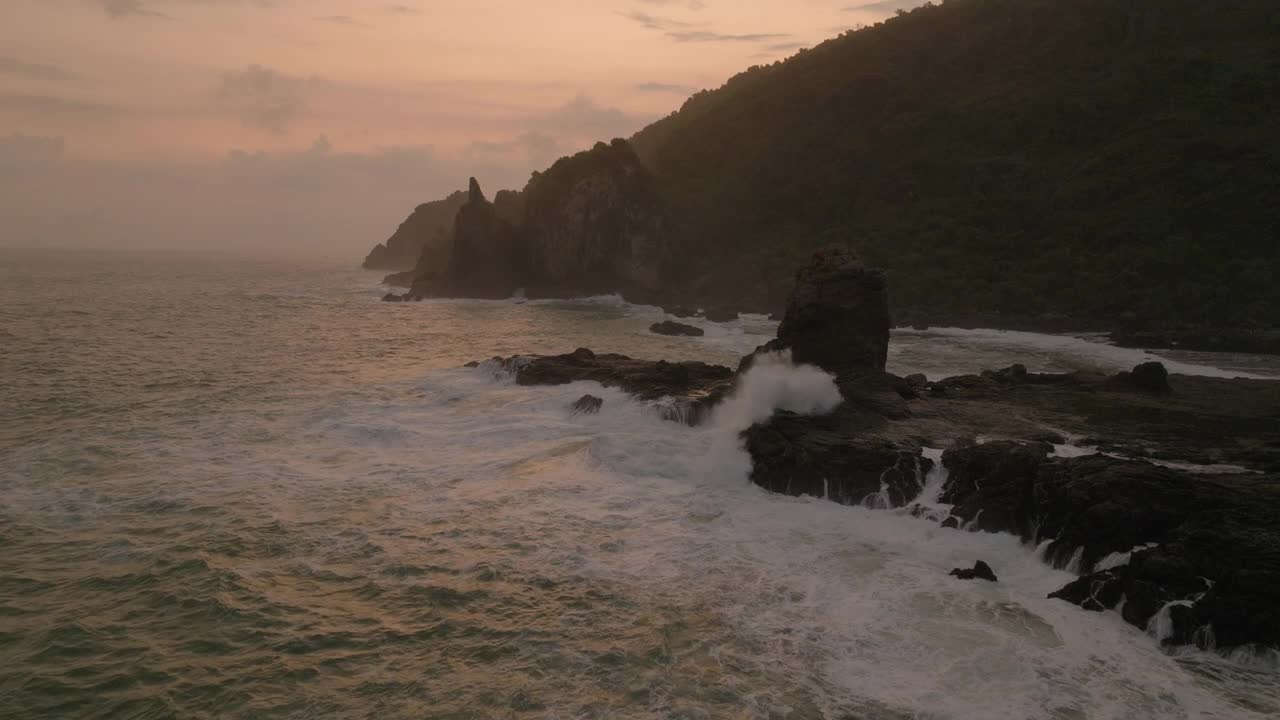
(1209, 543)
(669, 327)
(979, 571)
(837, 316)
(587, 405)
(690, 389)
(486, 260)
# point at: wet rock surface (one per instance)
(587, 405)
(837, 316)
(692, 388)
(669, 327)
(979, 571)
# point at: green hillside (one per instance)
(1108, 161)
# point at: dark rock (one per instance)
(680, 311)
(951, 522)
(1223, 529)
(837, 316)
(1012, 374)
(979, 571)
(668, 327)
(991, 485)
(1149, 377)
(917, 381)
(693, 387)
(587, 405)
(720, 314)
(817, 456)
(392, 297)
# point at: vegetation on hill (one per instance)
(1114, 162)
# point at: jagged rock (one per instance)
(1148, 377)
(979, 571)
(819, 456)
(837, 316)
(668, 327)
(692, 387)
(488, 256)
(1223, 529)
(990, 485)
(392, 297)
(587, 405)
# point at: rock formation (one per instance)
(587, 405)
(427, 230)
(837, 316)
(487, 258)
(595, 223)
(979, 571)
(670, 327)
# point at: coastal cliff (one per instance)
(423, 236)
(978, 156)
(592, 223)
(595, 223)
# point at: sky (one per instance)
(319, 124)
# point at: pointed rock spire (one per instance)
(475, 194)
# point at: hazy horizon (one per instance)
(281, 123)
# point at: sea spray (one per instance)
(774, 382)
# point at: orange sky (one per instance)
(172, 86)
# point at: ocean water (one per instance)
(245, 488)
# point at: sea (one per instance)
(243, 487)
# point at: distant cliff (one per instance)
(591, 223)
(428, 228)
(595, 223)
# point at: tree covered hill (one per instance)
(1114, 162)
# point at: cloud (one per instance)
(344, 20)
(536, 148)
(264, 98)
(401, 10)
(35, 71)
(883, 6)
(584, 117)
(657, 87)
(129, 8)
(24, 152)
(707, 36)
(686, 32)
(315, 199)
(691, 4)
(54, 107)
(653, 22)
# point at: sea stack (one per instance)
(837, 316)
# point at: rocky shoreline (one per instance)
(1161, 493)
